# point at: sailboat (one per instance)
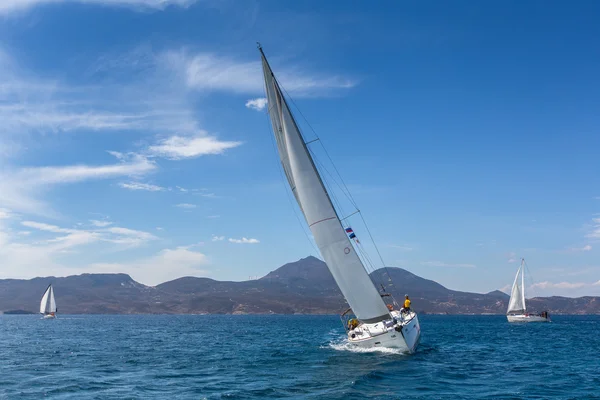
(375, 323)
(517, 309)
(48, 304)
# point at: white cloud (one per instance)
(141, 186)
(21, 189)
(128, 237)
(180, 147)
(210, 72)
(186, 206)
(166, 265)
(587, 247)
(217, 238)
(560, 285)
(100, 224)
(138, 165)
(12, 6)
(115, 234)
(47, 227)
(244, 241)
(213, 216)
(443, 264)
(595, 231)
(512, 260)
(258, 104)
(184, 190)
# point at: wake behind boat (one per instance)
(48, 304)
(517, 309)
(376, 324)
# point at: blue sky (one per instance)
(133, 138)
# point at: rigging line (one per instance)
(347, 192)
(532, 281)
(279, 168)
(346, 217)
(377, 250)
(324, 168)
(332, 193)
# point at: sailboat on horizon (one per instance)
(517, 309)
(48, 304)
(376, 324)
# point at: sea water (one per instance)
(293, 357)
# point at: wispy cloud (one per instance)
(12, 6)
(186, 206)
(21, 189)
(100, 224)
(118, 235)
(560, 285)
(218, 238)
(595, 231)
(141, 186)
(587, 247)
(180, 147)
(258, 104)
(211, 72)
(244, 241)
(444, 264)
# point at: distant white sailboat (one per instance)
(48, 304)
(517, 309)
(376, 324)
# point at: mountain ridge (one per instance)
(301, 287)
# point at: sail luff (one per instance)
(45, 300)
(523, 284)
(317, 207)
(517, 299)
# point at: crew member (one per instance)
(406, 304)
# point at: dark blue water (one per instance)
(293, 357)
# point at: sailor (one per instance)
(406, 304)
(390, 307)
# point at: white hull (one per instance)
(49, 316)
(385, 334)
(526, 318)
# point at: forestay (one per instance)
(323, 221)
(48, 304)
(517, 295)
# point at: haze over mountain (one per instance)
(301, 287)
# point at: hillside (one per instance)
(301, 287)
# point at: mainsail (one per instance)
(48, 304)
(314, 201)
(517, 295)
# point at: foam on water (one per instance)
(345, 345)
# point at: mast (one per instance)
(318, 210)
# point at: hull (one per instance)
(526, 318)
(49, 316)
(404, 335)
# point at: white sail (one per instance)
(517, 295)
(48, 304)
(309, 191)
